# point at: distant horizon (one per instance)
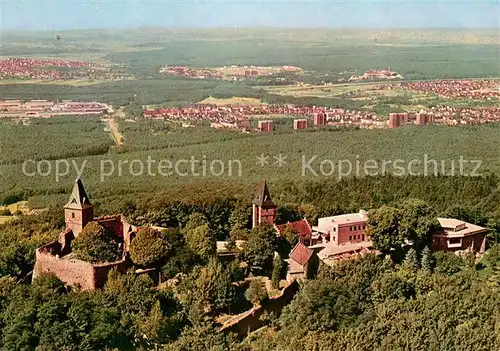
(249, 28)
(311, 14)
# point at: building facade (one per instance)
(300, 124)
(319, 119)
(342, 229)
(265, 126)
(457, 235)
(397, 119)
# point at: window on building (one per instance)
(334, 229)
(72, 214)
(363, 236)
(350, 237)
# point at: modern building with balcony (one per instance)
(457, 235)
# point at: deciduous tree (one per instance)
(96, 244)
(201, 241)
(417, 222)
(383, 228)
(259, 250)
(149, 247)
(256, 292)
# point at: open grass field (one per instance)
(236, 100)
(331, 90)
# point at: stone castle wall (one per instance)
(72, 271)
(251, 319)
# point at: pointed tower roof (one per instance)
(78, 199)
(263, 197)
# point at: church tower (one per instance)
(263, 208)
(78, 211)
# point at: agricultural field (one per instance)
(334, 90)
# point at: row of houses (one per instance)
(32, 68)
(462, 88)
(447, 115)
(238, 117)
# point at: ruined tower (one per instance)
(79, 210)
(263, 208)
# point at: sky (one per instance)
(87, 14)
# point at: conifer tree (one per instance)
(427, 261)
(277, 267)
(411, 260)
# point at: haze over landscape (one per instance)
(84, 14)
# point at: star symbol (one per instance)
(262, 160)
(280, 160)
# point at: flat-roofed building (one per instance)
(396, 119)
(421, 118)
(265, 126)
(341, 229)
(319, 119)
(457, 235)
(6, 104)
(300, 124)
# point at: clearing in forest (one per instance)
(235, 100)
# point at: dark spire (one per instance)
(263, 197)
(78, 199)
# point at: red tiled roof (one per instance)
(301, 254)
(302, 228)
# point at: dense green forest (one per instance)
(448, 61)
(321, 149)
(416, 301)
(61, 137)
(167, 91)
